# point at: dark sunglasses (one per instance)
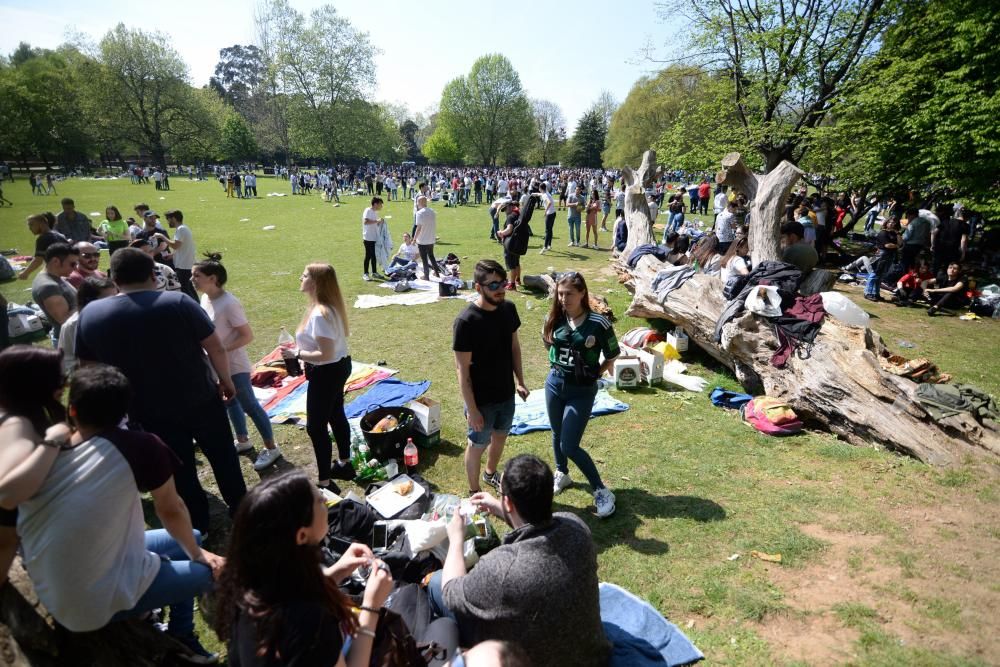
(494, 285)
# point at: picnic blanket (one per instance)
(416, 298)
(391, 391)
(640, 634)
(531, 415)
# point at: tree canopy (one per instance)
(487, 112)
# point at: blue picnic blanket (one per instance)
(641, 635)
(390, 391)
(531, 415)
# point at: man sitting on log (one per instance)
(796, 250)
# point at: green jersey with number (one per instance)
(594, 336)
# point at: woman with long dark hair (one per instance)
(114, 229)
(576, 337)
(277, 604)
(226, 312)
(32, 427)
(322, 344)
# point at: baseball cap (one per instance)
(150, 214)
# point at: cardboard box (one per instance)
(627, 372)
(650, 363)
(678, 340)
(424, 441)
(428, 413)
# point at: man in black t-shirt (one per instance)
(41, 225)
(947, 290)
(488, 357)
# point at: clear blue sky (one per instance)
(564, 52)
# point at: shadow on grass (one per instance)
(632, 504)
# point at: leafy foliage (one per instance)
(487, 112)
(237, 143)
(588, 140)
(441, 148)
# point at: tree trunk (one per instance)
(837, 385)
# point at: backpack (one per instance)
(771, 416)
(6, 270)
(734, 285)
(733, 400)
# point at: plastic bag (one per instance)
(839, 306)
(673, 373)
(765, 301)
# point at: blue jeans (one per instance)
(870, 220)
(495, 225)
(574, 229)
(245, 403)
(569, 405)
(674, 222)
(176, 584)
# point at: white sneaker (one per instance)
(604, 500)
(560, 481)
(266, 458)
(242, 447)
(542, 251)
(366, 277)
(570, 244)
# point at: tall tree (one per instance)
(323, 64)
(441, 148)
(652, 106)
(153, 106)
(487, 112)
(787, 61)
(239, 76)
(588, 140)
(606, 105)
(550, 131)
(408, 133)
(237, 141)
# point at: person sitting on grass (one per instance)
(86, 503)
(910, 287)
(946, 290)
(407, 253)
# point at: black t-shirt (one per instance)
(944, 282)
(44, 240)
(886, 237)
(310, 637)
(488, 335)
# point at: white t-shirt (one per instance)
(721, 202)
(184, 255)
(318, 326)
(408, 251)
(226, 313)
(737, 265)
(426, 226)
(502, 187)
(369, 232)
(550, 206)
(724, 226)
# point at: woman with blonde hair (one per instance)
(321, 344)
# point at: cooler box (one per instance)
(428, 414)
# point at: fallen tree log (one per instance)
(838, 385)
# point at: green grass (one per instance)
(694, 485)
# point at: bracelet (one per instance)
(54, 444)
(366, 632)
(371, 609)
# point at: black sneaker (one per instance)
(198, 655)
(343, 471)
(493, 479)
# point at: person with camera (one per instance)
(576, 337)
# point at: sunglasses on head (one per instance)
(493, 285)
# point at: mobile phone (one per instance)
(380, 536)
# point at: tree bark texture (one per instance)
(838, 384)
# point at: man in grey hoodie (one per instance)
(538, 588)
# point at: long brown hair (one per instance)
(327, 294)
(740, 246)
(266, 569)
(556, 313)
(30, 376)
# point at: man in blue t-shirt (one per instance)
(175, 394)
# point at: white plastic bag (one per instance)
(765, 301)
(673, 372)
(839, 306)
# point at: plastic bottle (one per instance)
(356, 453)
(286, 342)
(411, 457)
(364, 455)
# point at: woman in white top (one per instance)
(322, 344)
(226, 312)
(734, 262)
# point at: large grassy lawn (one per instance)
(884, 560)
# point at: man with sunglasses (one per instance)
(90, 257)
(488, 359)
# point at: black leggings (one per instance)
(550, 220)
(428, 259)
(369, 255)
(325, 405)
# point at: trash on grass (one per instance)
(769, 558)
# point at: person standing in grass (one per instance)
(321, 341)
(576, 337)
(226, 312)
(370, 233)
(592, 208)
(114, 229)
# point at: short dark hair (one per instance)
(60, 251)
(485, 267)
(176, 214)
(90, 290)
(131, 266)
(912, 212)
(67, 201)
(376, 200)
(99, 395)
(793, 228)
(527, 481)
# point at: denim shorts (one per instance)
(496, 417)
